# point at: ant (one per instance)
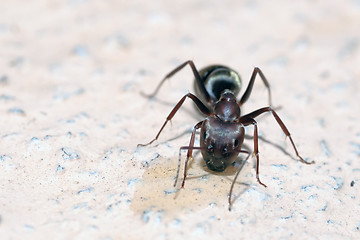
(223, 130)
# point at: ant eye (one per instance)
(236, 143)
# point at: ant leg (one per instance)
(198, 103)
(247, 121)
(282, 125)
(248, 90)
(173, 72)
(236, 176)
(190, 148)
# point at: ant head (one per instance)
(227, 109)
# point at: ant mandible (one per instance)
(223, 130)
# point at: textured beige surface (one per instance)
(71, 112)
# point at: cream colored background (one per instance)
(71, 112)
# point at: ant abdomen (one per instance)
(218, 78)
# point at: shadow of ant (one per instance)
(230, 171)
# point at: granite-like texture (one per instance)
(72, 115)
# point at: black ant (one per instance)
(223, 130)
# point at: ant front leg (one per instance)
(246, 120)
(249, 119)
(198, 103)
(173, 72)
(249, 88)
(190, 148)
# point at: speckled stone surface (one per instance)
(71, 116)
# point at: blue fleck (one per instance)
(29, 227)
(35, 140)
(83, 114)
(329, 221)
(69, 154)
(48, 137)
(59, 168)
(147, 213)
(261, 195)
(323, 208)
(176, 221)
(171, 191)
(339, 86)
(212, 205)
(303, 216)
(280, 166)
(107, 154)
(16, 111)
(6, 98)
(146, 216)
(109, 208)
(339, 183)
(127, 86)
(287, 218)
(4, 79)
(307, 187)
(79, 91)
(82, 134)
(80, 205)
(87, 190)
(212, 218)
(159, 216)
(64, 95)
(81, 51)
(312, 197)
(321, 122)
(132, 181)
(325, 148)
(4, 157)
(118, 39)
(357, 148)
